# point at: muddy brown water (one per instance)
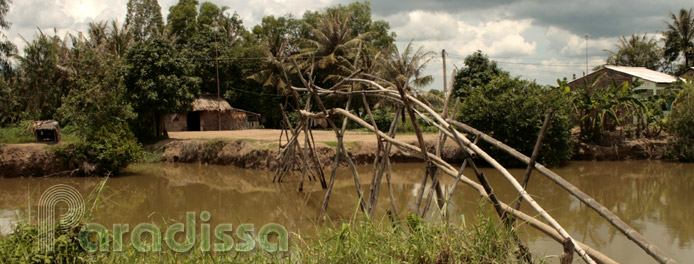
(653, 197)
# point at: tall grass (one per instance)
(16, 134)
(358, 240)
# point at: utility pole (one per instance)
(443, 56)
(586, 36)
(216, 66)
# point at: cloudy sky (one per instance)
(540, 40)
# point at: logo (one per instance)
(147, 237)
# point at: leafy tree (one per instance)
(182, 20)
(44, 81)
(159, 80)
(97, 95)
(209, 14)
(478, 71)
(513, 110)
(7, 48)
(679, 37)
(680, 123)
(144, 19)
(599, 109)
(637, 51)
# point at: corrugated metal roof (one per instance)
(644, 73)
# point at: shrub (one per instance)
(512, 111)
(680, 125)
(109, 149)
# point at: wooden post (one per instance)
(533, 158)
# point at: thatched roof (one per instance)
(47, 125)
(211, 103)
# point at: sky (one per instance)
(541, 40)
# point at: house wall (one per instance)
(175, 122)
(230, 120)
(619, 77)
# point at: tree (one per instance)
(182, 20)
(679, 37)
(158, 81)
(637, 51)
(478, 71)
(144, 19)
(209, 14)
(43, 81)
(513, 110)
(7, 48)
(599, 109)
(680, 124)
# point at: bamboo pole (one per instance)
(466, 143)
(613, 219)
(451, 171)
(533, 158)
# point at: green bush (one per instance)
(512, 111)
(680, 125)
(109, 149)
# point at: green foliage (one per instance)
(209, 13)
(182, 20)
(97, 97)
(382, 118)
(637, 51)
(10, 106)
(512, 111)
(41, 77)
(16, 134)
(478, 71)
(415, 241)
(159, 80)
(21, 247)
(679, 38)
(680, 125)
(144, 19)
(599, 109)
(110, 149)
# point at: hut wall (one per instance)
(175, 122)
(230, 120)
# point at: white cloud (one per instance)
(438, 30)
(570, 44)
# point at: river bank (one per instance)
(258, 149)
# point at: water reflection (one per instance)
(653, 197)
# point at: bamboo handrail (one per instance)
(613, 219)
(452, 172)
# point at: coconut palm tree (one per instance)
(679, 39)
(636, 51)
(406, 70)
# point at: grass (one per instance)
(360, 240)
(356, 240)
(16, 134)
(348, 144)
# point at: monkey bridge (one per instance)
(307, 103)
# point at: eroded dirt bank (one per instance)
(258, 149)
(30, 160)
(250, 154)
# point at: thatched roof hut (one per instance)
(212, 113)
(45, 130)
(211, 103)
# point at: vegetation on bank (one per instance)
(681, 125)
(359, 240)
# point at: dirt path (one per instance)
(274, 134)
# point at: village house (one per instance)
(211, 113)
(652, 81)
(689, 74)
